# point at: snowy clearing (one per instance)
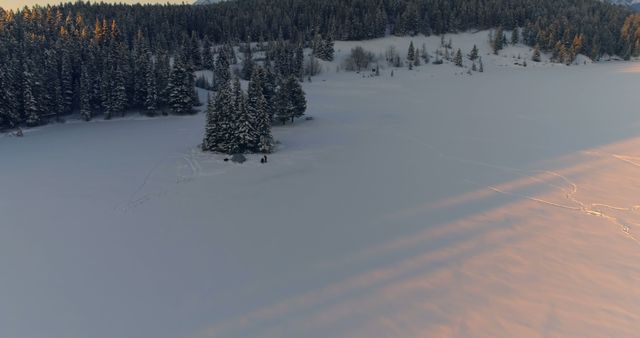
(428, 204)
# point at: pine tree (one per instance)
(196, 53)
(473, 55)
(269, 86)
(457, 59)
(328, 52)
(221, 73)
(283, 108)
(179, 89)
(31, 110)
(411, 55)
(244, 133)
(247, 61)
(151, 98)
(498, 40)
(318, 47)
(119, 91)
(207, 55)
(258, 114)
(298, 102)
(8, 109)
(66, 83)
(481, 66)
(209, 143)
(299, 62)
(85, 94)
(515, 36)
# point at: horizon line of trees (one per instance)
(99, 58)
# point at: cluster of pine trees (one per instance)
(239, 122)
(51, 70)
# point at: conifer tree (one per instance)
(179, 90)
(66, 83)
(207, 55)
(195, 52)
(498, 40)
(411, 54)
(296, 97)
(283, 107)
(162, 71)
(473, 55)
(515, 36)
(221, 73)
(212, 127)
(245, 136)
(151, 98)
(257, 112)
(85, 94)
(31, 111)
(457, 59)
(8, 109)
(247, 61)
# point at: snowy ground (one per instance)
(430, 204)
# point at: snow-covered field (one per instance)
(428, 204)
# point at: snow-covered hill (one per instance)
(624, 2)
(430, 203)
(634, 4)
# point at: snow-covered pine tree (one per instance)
(457, 59)
(247, 61)
(283, 108)
(119, 91)
(257, 112)
(473, 55)
(66, 82)
(179, 89)
(245, 136)
(85, 94)
(515, 36)
(207, 55)
(151, 98)
(269, 86)
(52, 94)
(31, 110)
(195, 51)
(221, 73)
(498, 40)
(212, 128)
(411, 55)
(299, 62)
(8, 109)
(296, 97)
(162, 72)
(328, 50)
(318, 47)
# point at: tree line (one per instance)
(98, 58)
